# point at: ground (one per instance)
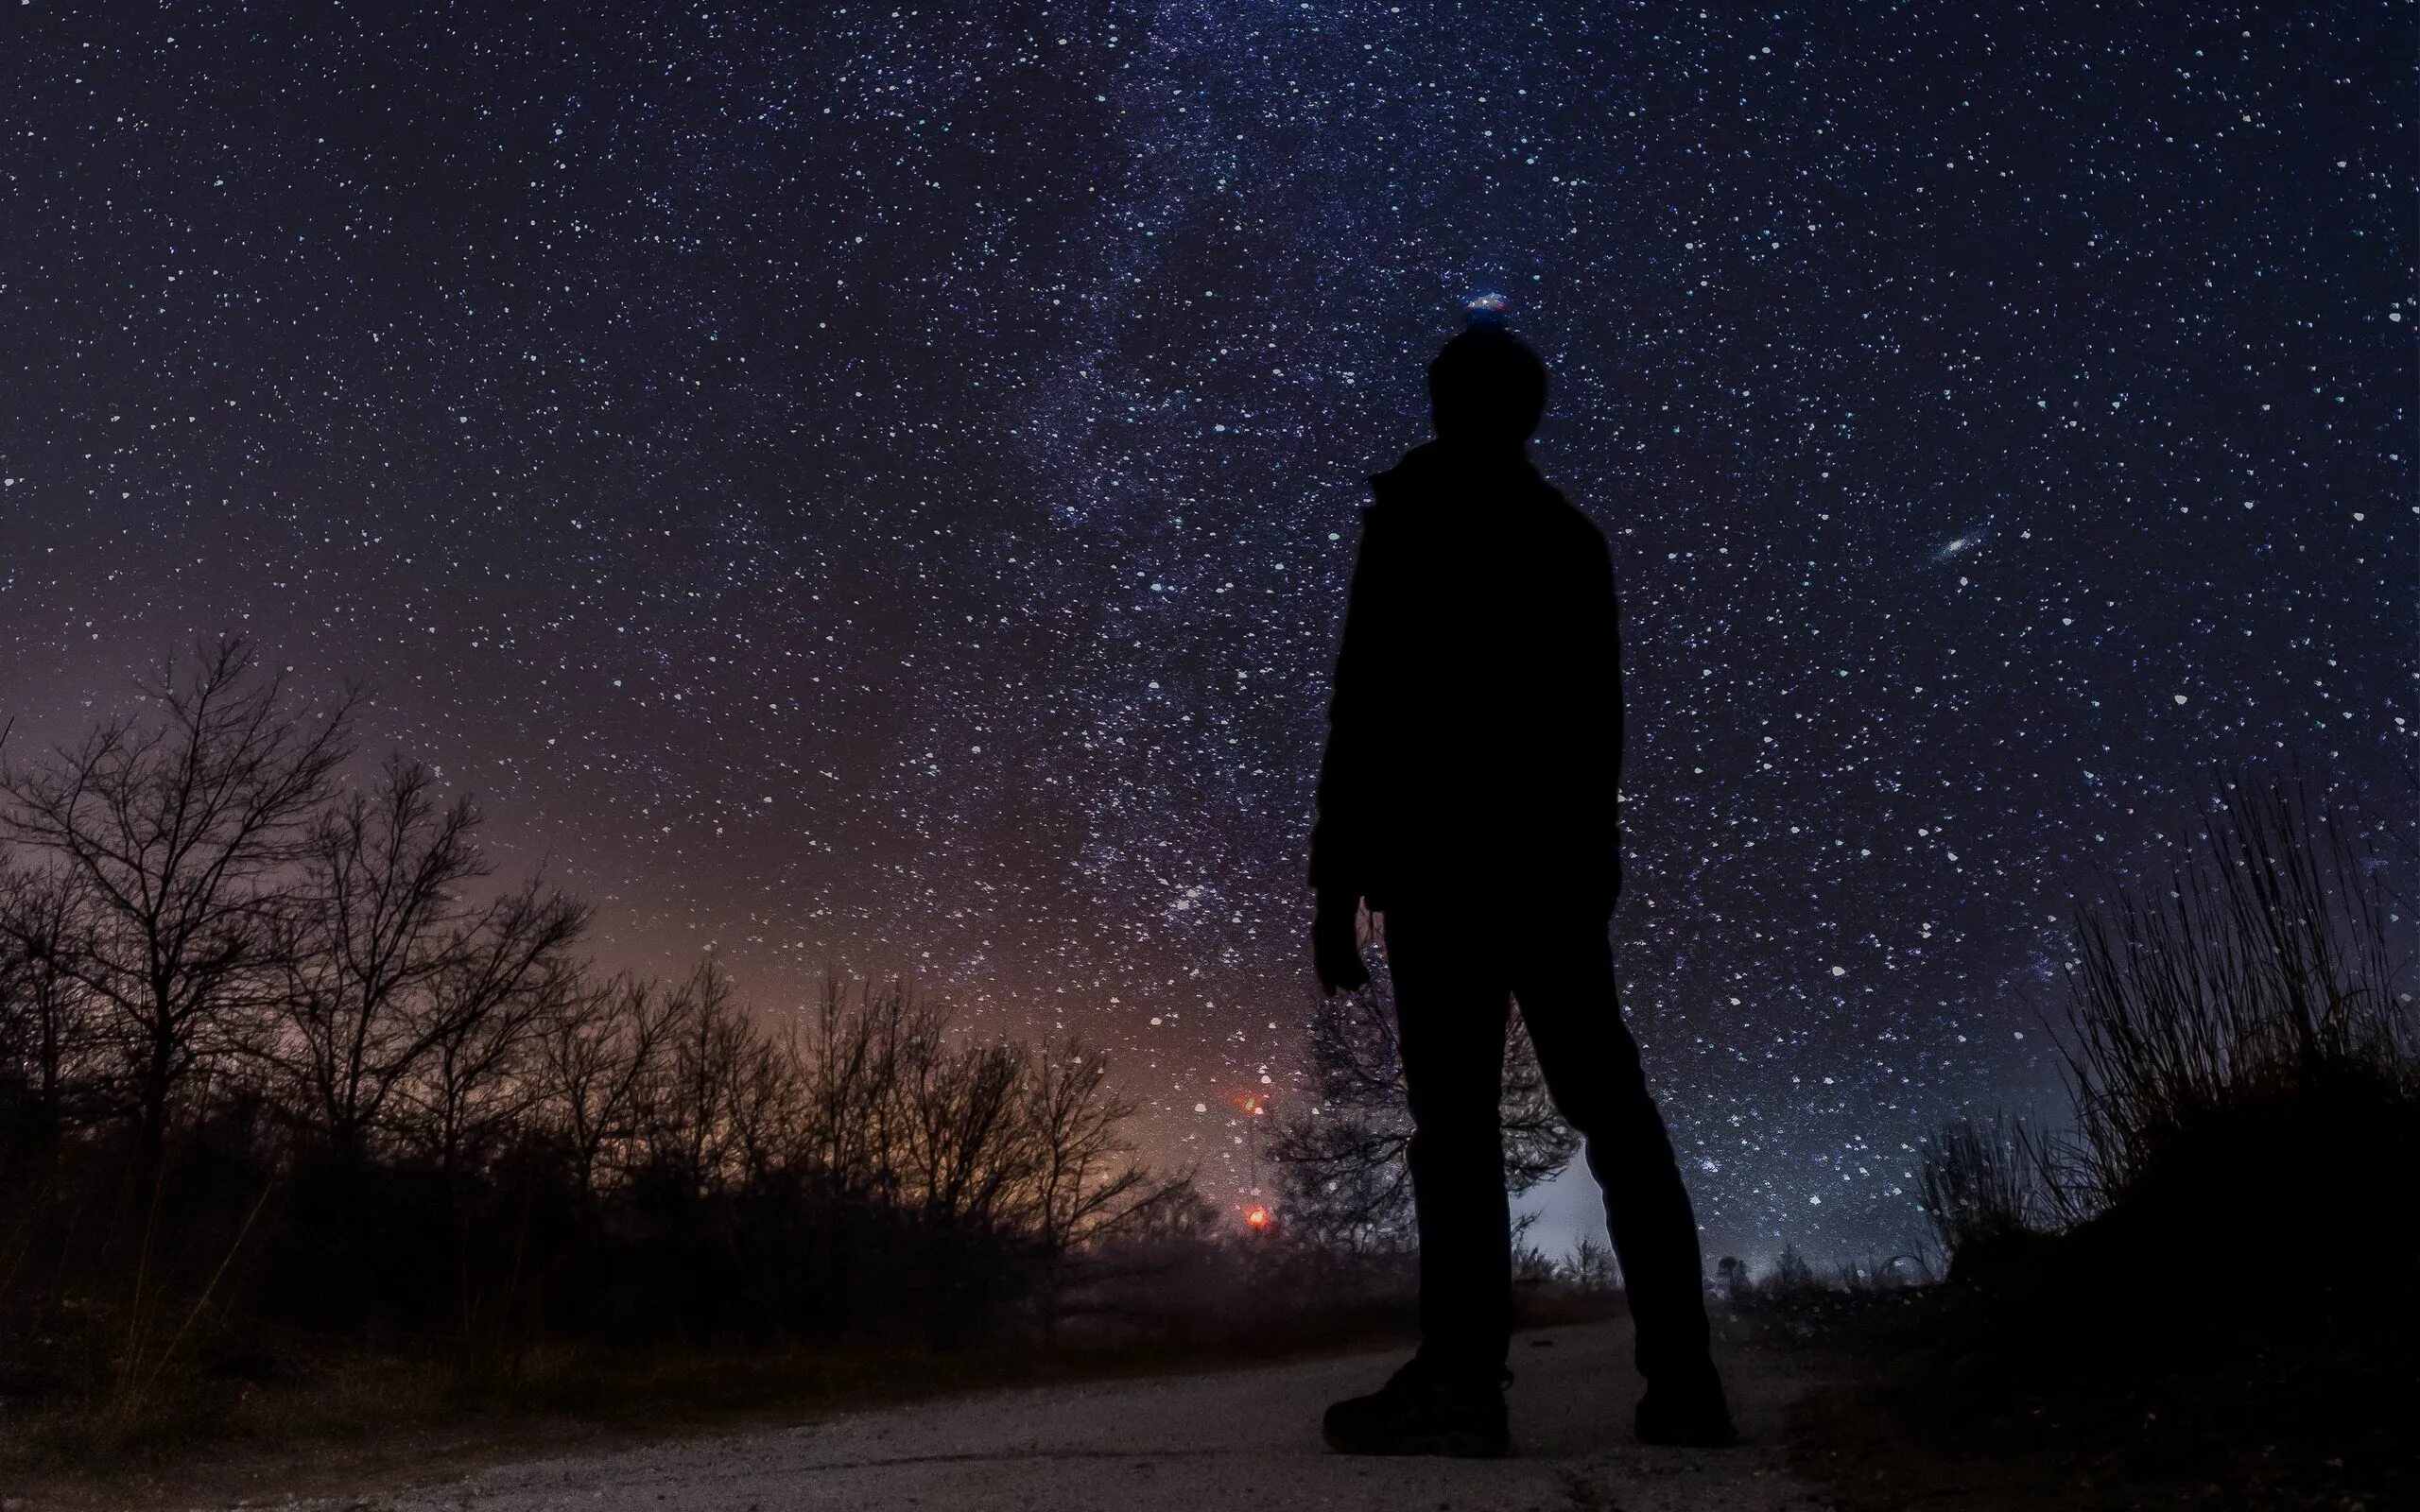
(1242, 1437)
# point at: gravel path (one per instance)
(1247, 1438)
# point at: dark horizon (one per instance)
(913, 537)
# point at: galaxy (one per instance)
(871, 488)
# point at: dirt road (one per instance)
(1246, 1438)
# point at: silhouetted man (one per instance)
(1466, 793)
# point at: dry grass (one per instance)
(2209, 1293)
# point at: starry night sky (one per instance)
(876, 486)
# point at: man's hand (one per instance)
(1336, 945)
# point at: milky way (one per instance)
(874, 488)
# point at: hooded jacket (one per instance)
(1475, 732)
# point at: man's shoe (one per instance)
(1422, 1411)
(1689, 1416)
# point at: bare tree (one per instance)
(965, 1152)
(849, 1080)
(1082, 1180)
(181, 835)
(46, 1017)
(598, 1060)
(506, 974)
(377, 929)
(1173, 1211)
(765, 1119)
(1083, 1196)
(708, 1046)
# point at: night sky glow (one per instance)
(875, 485)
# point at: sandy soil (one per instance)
(1243, 1438)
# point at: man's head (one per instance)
(1486, 387)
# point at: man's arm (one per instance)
(1341, 836)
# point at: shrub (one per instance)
(2237, 1036)
(1989, 1189)
(1792, 1275)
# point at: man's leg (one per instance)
(1451, 1010)
(1563, 974)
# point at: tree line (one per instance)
(280, 1053)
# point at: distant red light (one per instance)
(1257, 1218)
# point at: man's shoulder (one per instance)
(1427, 494)
(1566, 518)
(1559, 503)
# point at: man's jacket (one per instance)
(1475, 735)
